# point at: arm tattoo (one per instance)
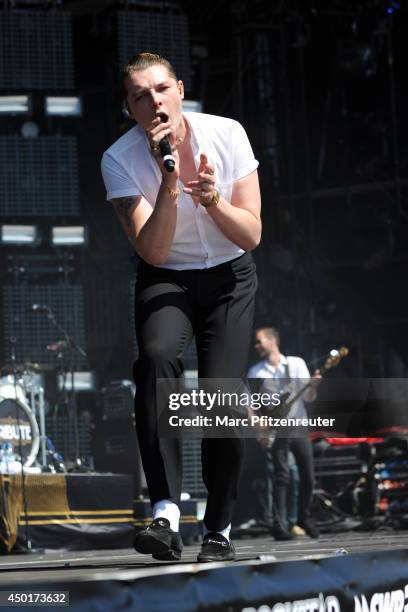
(125, 207)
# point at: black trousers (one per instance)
(215, 305)
(302, 449)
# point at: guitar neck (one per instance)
(329, 363)
(298, 395)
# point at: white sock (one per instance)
(169, 510)
(225, 532)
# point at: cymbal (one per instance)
(27, 366)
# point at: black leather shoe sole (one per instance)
(206, 558)
(150, 543)
(169, 555)
(210, 553)
(162, 546)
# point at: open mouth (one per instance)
(163, 117)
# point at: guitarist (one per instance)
(292, 370)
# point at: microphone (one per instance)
(165, 149)
(39, 307)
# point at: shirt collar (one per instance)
(281, 365)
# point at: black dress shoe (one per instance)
(159, 541)
(281, 534)
(310, 527)
(216, 548)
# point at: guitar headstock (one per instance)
(334, 357)
(343, 352)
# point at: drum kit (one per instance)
(23, 406)
(22, 414)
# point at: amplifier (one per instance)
(115, 445)
(116, 450)
(338, 467)
(117, 400)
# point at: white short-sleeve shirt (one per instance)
(129, 169)
(298, 373)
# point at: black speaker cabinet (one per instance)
(116, 450)
(115, 445)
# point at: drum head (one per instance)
(12, 389)
(18, 426)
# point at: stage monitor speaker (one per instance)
(117, 400)
(116, 450)
(115, 445)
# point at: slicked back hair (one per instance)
(142, 61)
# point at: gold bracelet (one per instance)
(214, 200)
(173, 192)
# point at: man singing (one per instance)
(193, 229)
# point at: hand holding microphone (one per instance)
(160, 143)
(165, 151)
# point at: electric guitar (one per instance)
(331, 361)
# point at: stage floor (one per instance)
(54, 566)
